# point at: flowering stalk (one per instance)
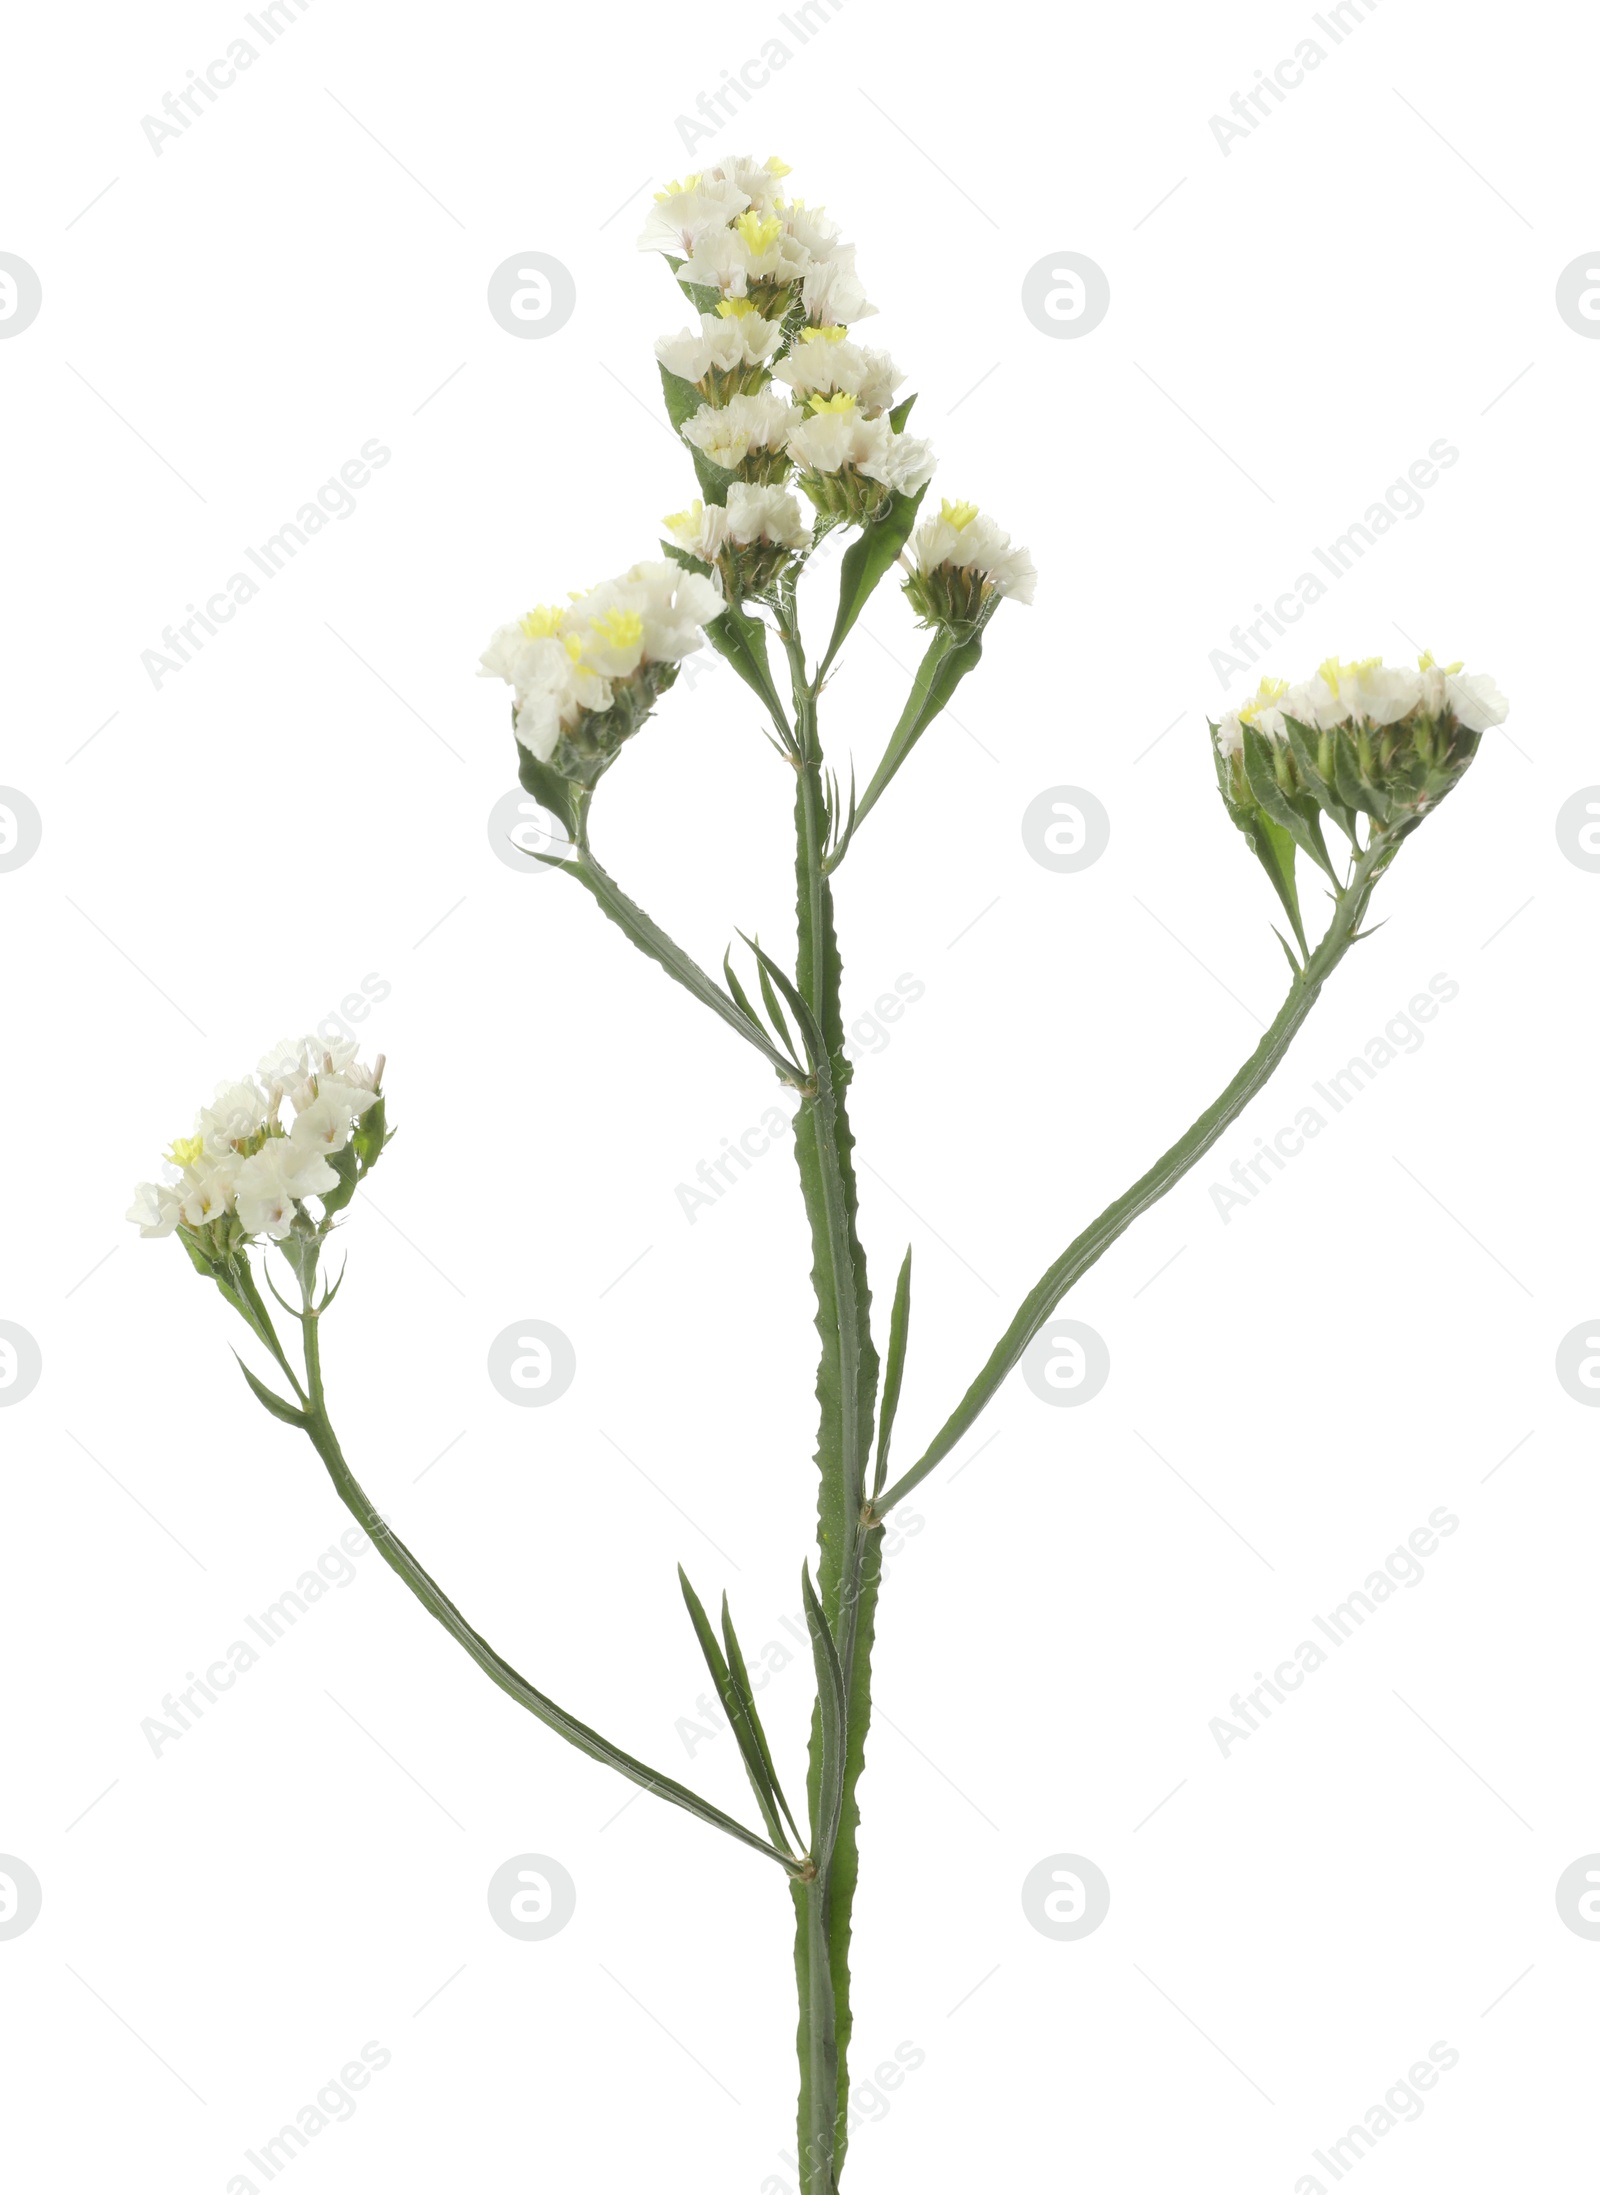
(775, 402)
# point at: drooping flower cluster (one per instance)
(245, 1171)
(776, 271)
(1364, 738)
(960, 563)
(587, 675)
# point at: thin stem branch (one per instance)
(1169, 1169)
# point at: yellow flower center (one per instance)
(1270, 690)
(834, 334)
(775, 166)
(1427, 662)
(678, 190)
(618, 628)
(735, 308)
(540, 622)
(686, 522)
(842, 401)
(187, 1150)
(759, 231)
(958, 515)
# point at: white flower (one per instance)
(1230, 736)
(961, 535)
(727, 433)
(766, 514)
(154, 1210)
(722, 343)
(208, 1194)
(323, 1122)
(1316, 701)
(755, 249)
(1378, 694)
(701, 529)
(832, 291)
(817, 236)
(271, 1182)
(827, 440)
(759, 180)
(236, 1111)
(684, 211)
(826, 363)
(1476, 700)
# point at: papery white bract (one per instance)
(242, 1174)
(959, 560)
(825, 365)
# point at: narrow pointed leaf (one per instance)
(746, 1692)
(894, 1365)
(750, 1753)
(867, 559)
(275, 1404)
(831, 1716)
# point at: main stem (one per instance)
(848, 1565)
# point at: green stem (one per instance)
(1038, 1305)
(438, 1604)
(846, 1389)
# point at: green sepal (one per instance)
(1354, 789)
(1296, 816)
(346, 1165)
(1304, 747)
(275, 1405)
(867, 559)
(901, 413)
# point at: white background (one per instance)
(305, 805)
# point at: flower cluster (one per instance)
(779, 290)
(586, 676)
(1364, 738)
(961, 564)
(244, 1173)
(750, 538)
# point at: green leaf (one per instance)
(901, 413)
(345, 1166)
(741, 639)
(770, 999)
(1298, 819)
(894, 1365)
(548, 787)
(746, 1691)
(865, 562)
(683, 400)
(752, 1754)
(275, 1404)
(943, 667)
(737, 992)
(831, 1713)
